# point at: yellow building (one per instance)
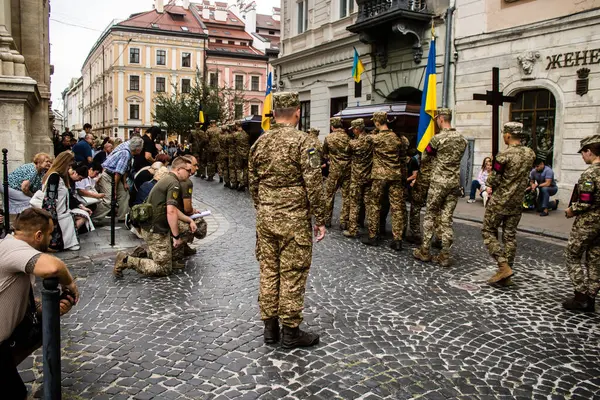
(137, 59)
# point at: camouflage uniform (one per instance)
(213, 150)
(224, 156)
(508, 182)
(199, 143)
(419, 195)
(336, 149)
(360, 181)
(232, 155)
(242, 149)
(389, 153)
(585, 234)
(447, 149)
(285, 183)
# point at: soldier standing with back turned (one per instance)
(337, 150)
(199, 142)
(286, 186)
(447, 149)
(507, 182)
(213, 151)
(585, 234)
(242, 150)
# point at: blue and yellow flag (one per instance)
(268, 104)
(200, 114)
(358, 67)
(429, 100)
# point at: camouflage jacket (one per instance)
(389, 153)
(588, 201)
(362, 158)
(447, 149)
(199, 140)
(316, 143)
(336, 148)
(509, 179)
(214, 140)
(425, 169)
(285, 178)
(224, 141)
(242, 144)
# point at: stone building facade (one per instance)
(73, 105)
(548, 52)
(25, 117)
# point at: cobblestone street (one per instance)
(391, 327)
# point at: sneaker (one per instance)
(136, 232)
(471, 201)
(128, 222)
(74, 248)
(555, 205)
(544, 214)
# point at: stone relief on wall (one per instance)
(527, 61)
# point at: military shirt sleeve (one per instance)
(186, 189)
(432, 147)
(498, 165)
(253, 178)
(173, 194)
(587, 190)
(310, 162)
(325, 148)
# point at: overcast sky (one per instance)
(70, 44)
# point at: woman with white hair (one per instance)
(24, 181)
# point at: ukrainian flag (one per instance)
(429, 101)
(200, 114)
(268, 104)
(358, 67)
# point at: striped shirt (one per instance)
(119, 161)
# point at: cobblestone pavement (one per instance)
(390, 327)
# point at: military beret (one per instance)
(443, 111)
(380, 117)
(286, 100)
(588, 141)
(358, 123)
(514, 128)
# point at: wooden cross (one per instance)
(496, 99)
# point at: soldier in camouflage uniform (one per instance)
(286, 187)
(336, 149)
(242, 150)
(232, 156)
(164, 198)
(224, 157)
(213, 150)
(199, 143)
(585, 234)
(389, 153)
(507, 182)
(447, 149)
(360, 181)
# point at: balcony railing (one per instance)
(368, 9)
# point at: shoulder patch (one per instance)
(430, 150)
(314, 158)
(190, 190)
(175, 195)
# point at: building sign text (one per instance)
(573, 59)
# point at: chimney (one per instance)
(159, 6)
(186, 4)
(251, 18)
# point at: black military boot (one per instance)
(369, 241)
(210, 179)
(414, 239)
(294, 337)
(271, 333)
(344, 226)
(241, 188)
(227, 185)
(233, 186)
(436, 243)
(580, 302)
(396, 245)
(220, 180)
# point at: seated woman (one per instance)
(58, 200)
(479, 183)
(86, 188)
(24, 181)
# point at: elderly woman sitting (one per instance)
(24, 181)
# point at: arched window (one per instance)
(536, 110)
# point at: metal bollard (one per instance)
(113, 210)
(51, 338)
(6, 208)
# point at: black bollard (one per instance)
(113, 210)
(51, 338)
(6, 212)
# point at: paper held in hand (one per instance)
(202, 214)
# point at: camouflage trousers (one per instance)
(160, 248)
(211, 163)
(360, 192)
(202, 158)
(396, 197)
(232, 171)
(584, 239)
(241, 169)
(339, 177)
(188, 237)
(224, 169)
(441, 202)
(509, 223)
(284, 252)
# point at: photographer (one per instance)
(23, 260)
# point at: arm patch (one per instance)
(586, 192)
(499, 168)
(314, 158)
(430, 150)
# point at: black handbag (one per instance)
(29, 329)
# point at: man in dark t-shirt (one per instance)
(148, 154)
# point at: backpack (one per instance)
(142, 214)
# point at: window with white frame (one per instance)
(161, 57)
(239, 82)
(134, 56)
(254, 109)
(134, 83)
(214, 80)
(302, 7)
(186, 60)
(239, 111)
(161, 85)
(186, 85)
(346, 8)
(256, 83)
(134, 111)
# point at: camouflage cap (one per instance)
(212, 122)
(380, 117)
(314, 131)
(589, 140)
(358, 123)
(336, 122)
(286, 100)
(443, 111)
(514, 128)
